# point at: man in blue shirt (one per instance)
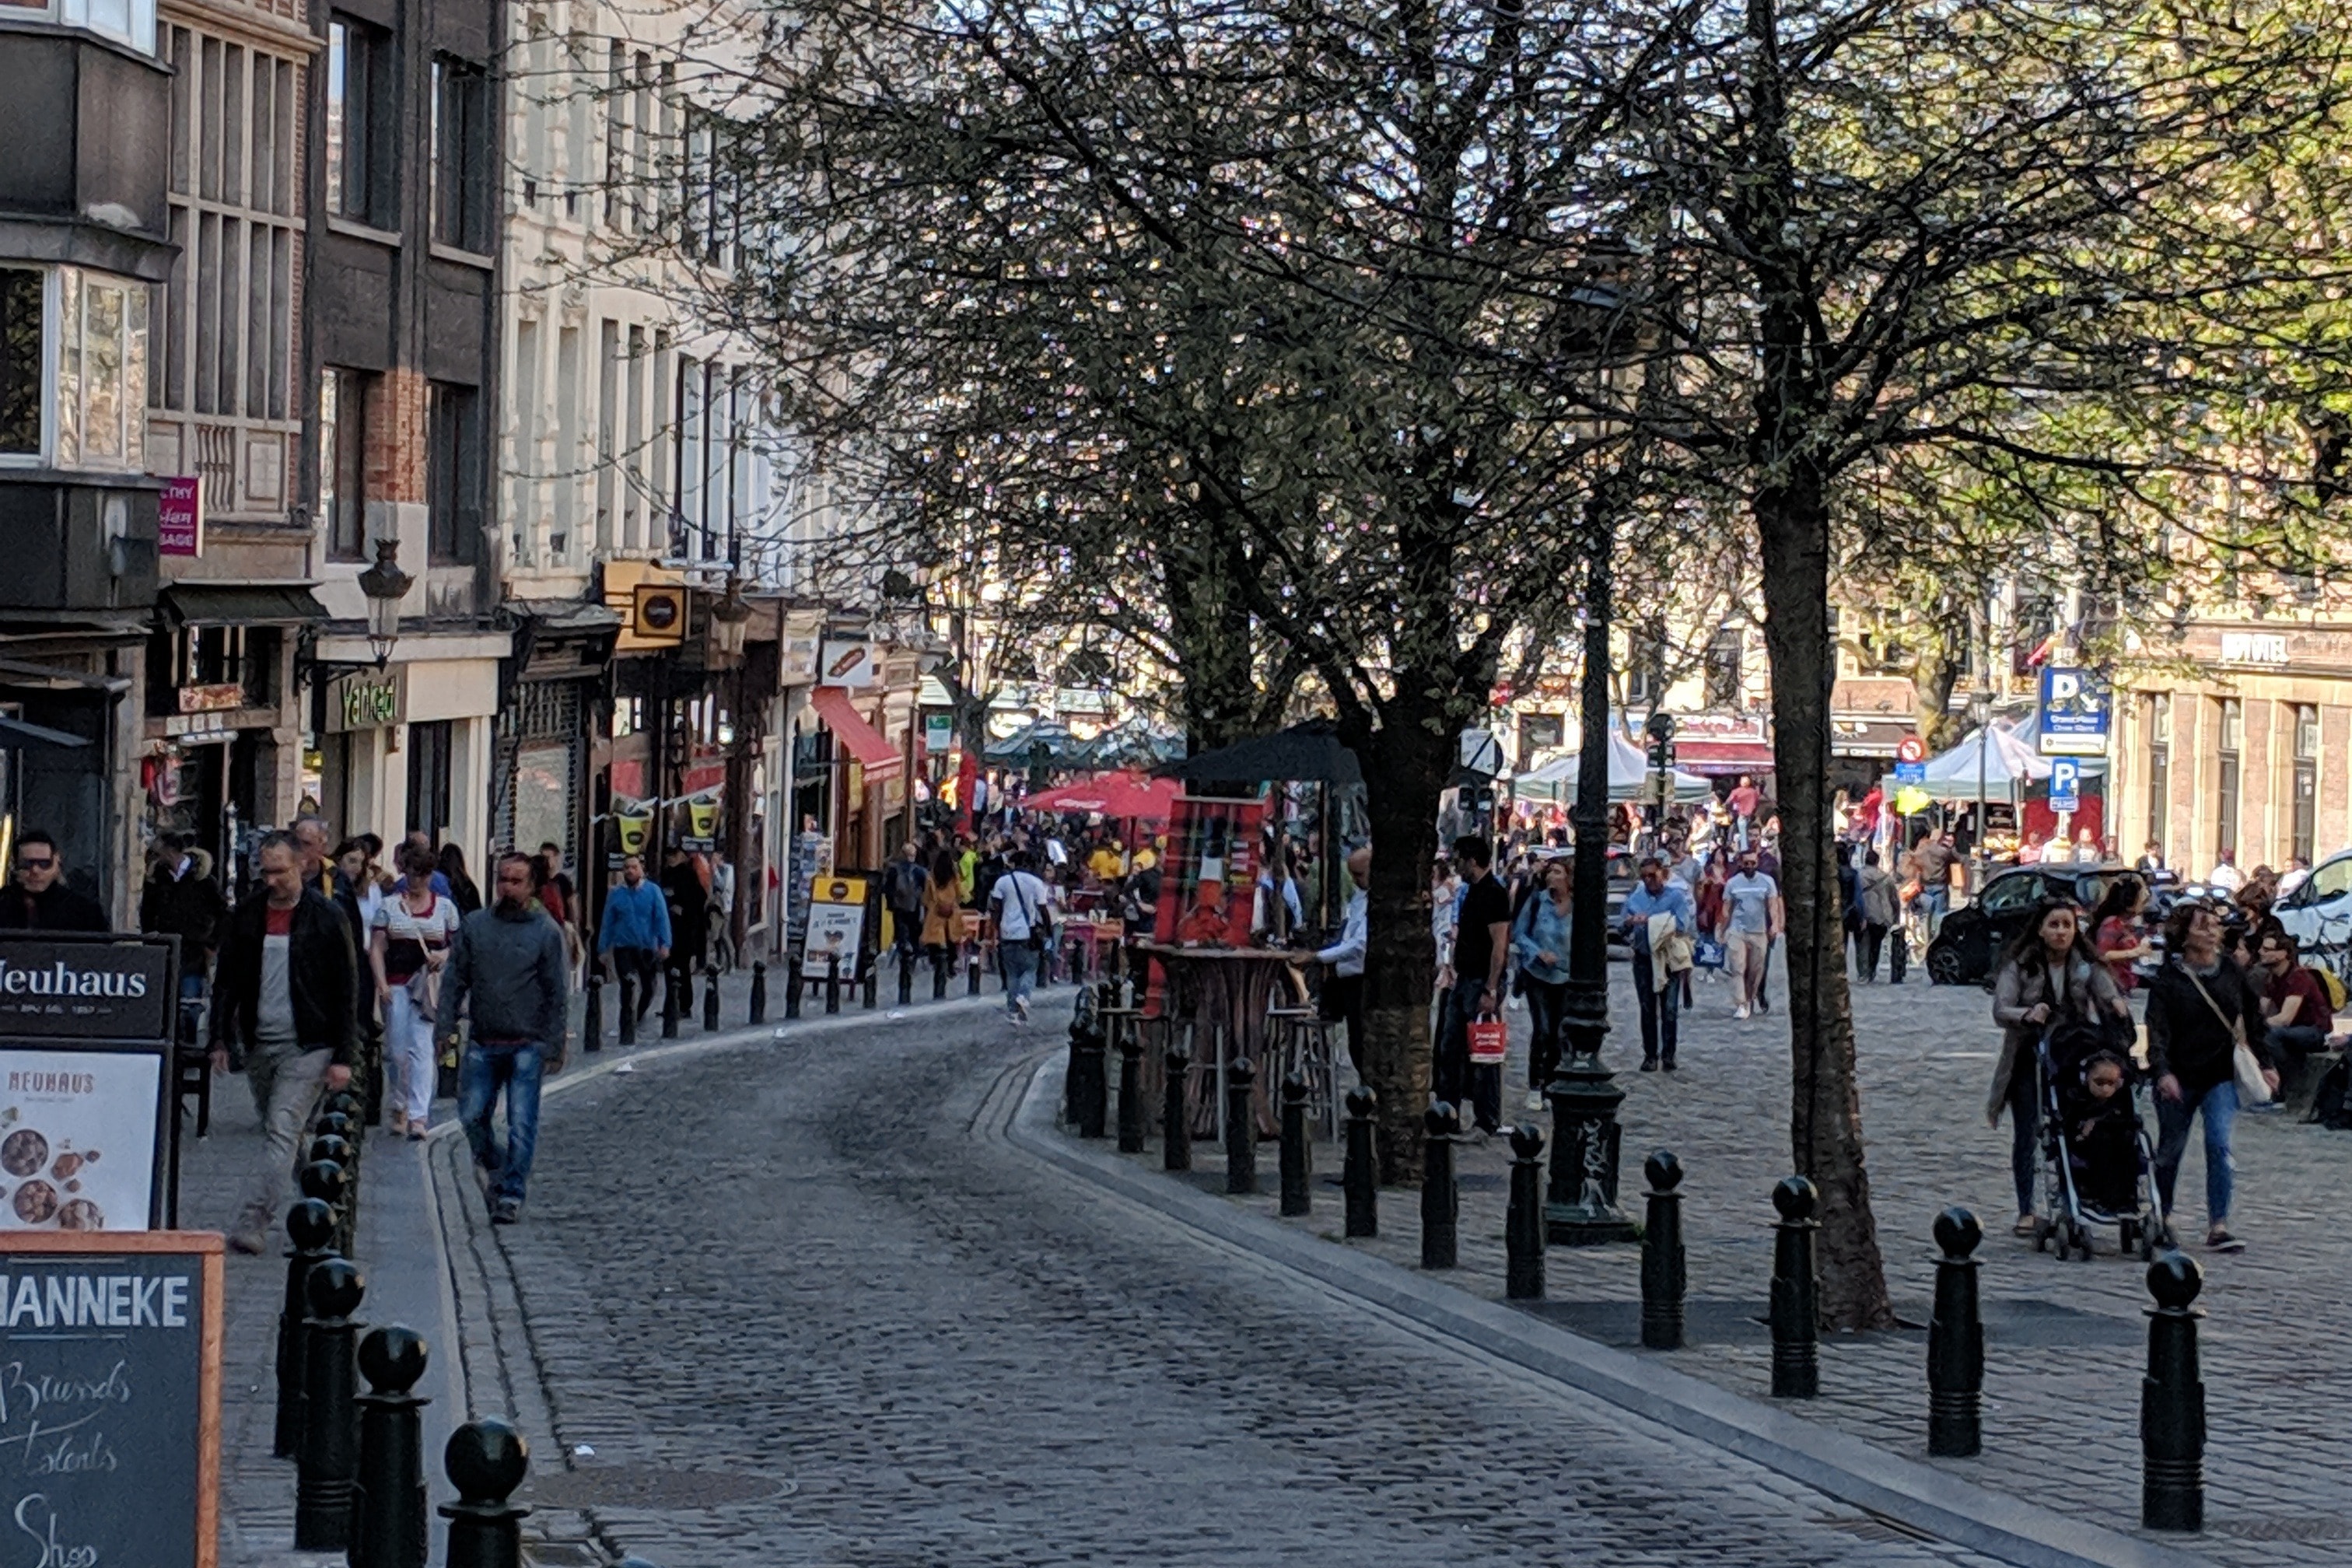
(634, 936)
(1662, 1004)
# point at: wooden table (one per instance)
(1223, 994)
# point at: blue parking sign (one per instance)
(2065, 784)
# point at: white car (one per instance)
(2318, 913)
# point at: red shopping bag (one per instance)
(1490, 1039)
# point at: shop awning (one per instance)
(1723, 758)
(243, 604)
(868, 745)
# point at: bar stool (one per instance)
(1304, 1037)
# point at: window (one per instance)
(453, 475)
(2010, 893)
(2225, 784)
(1725, 683)
(2160, 765)
(359, 122)
(212, 655)
(2333, 880)
(343, 399)
(101, 372)
(461, 153)
(21, 313)
(2304, 785)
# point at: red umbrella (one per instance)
(1121, 796)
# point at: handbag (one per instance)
(1706, 953)
(1490, 1040)
(2243, 1066)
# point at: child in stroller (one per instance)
(2099, 1158)
(2103, 1130)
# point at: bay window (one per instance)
(73, 368)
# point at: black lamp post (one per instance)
(1581, 1203)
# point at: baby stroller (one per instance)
(2073, 1185)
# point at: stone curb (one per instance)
(1846, 1468)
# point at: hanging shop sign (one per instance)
(847, 663)
(633, 827)
(701, 827)
(180, 517)
(216, 698)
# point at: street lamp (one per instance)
(731, 617)
(1980, 710)
(386, 585)
(1660, 728)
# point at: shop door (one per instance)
(430, 747)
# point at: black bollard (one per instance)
(1441, 1197)
(1091, 1072)
(1523, 1221)
(310, 1225)
(1175, 1125)
(671, 981)
(1241, 1127)
(1956, 1343)
(906, 978)
(939, 974)
(1297, 1156)
(329, 1184)
(1361, 1177)
(832, 982)
(972, 962)
(1130, 1091)
(627, 1025)
(2172, 1400)
(870, 989)
(328, 1459)
(486, 1460)
(1664, 1275)
(1796, 1345)
(793, 985)
(388, 1511)
(711, 1000)
(329, 1150)
(592, 1026)
(759, 991)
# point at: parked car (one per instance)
(1969, 943)
(2318, 913)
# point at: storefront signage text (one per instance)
(216, 698)
(2253, 647)
(180, 517)
(367, 699)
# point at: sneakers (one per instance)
(506, 1211)
(1649, 1064)
(2218, 1239)
(416, 1131)
(2267, 1107)
(398, 1122)
(1741, 1011)
(1022, 1009)
(2024, 1226)
(1668, 1064)
(1535, 1100)
(251, 1241)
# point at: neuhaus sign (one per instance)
(84, 990)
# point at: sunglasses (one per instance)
(34, 863)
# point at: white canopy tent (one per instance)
(2006, 760)
(1628, 776)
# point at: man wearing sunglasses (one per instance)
(37, 897)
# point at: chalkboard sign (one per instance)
(109, 1399)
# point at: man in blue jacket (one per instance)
(634, 935)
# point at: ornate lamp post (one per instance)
(729, 619)
(384, 585)
(1581, 1202)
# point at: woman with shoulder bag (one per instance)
(2203, 1021)
(406, 948)
(2049, 975)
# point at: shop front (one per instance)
(408, 747)
(554, 685)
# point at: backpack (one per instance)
(2330, 984)
(2327, 1106)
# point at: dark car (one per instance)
(1969, 943)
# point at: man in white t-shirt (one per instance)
(1024, 923)
(1753, 917)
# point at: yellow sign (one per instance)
(631, 829)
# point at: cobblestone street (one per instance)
(786, 1305)
(2065, 1341)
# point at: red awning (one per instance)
(880, 759)
(1720, 758)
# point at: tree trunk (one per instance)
(1405, 767)
(1933, 675)
(1209, 622)
(1792, 526)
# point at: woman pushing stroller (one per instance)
(2051, 979)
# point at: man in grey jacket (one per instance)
(509, 967)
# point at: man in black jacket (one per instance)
(182, 900)
(284, 1002)
(36, 897)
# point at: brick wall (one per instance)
(395, 437)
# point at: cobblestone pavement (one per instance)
(787, 1304)
(2066, 1340)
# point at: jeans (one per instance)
(2220, 1109)
(1020, 961)
(481, 1074)
(1936, 900)
(408, 1056)
(643, 968)
(287, 1083)
(1661, 1010)
(2024, 1128)
(1460, 1080)
(1867, 943)
(1546, 1012)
